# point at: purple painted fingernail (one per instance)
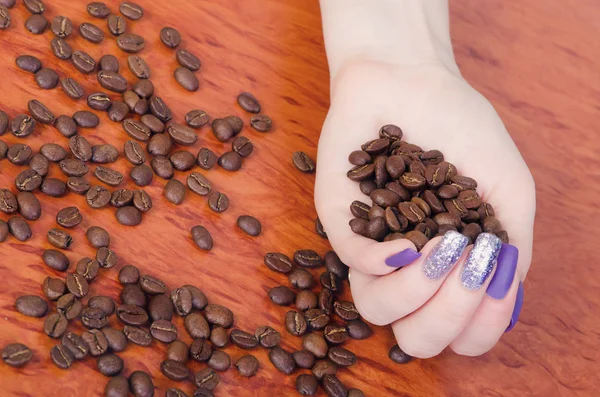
(505, 272)
(517, 310)
(403, 258)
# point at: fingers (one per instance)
(383, 300)
(432, 328)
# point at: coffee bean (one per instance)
(324, 367)
(301, 279)
(72, 88)
(199, 184)
(151, 285)
(131, 10)
(131, 43)
(398, 356)
(182, 301)
(178, 351)
(242, 146)
(83, 62)
(69, 217)
(412, 212)
(485, 210)
(418, 238)
(456, 207)
(318, 318)
(109, 365)
(207, 379)
(55, 325)
(36, 24)
(108, 175)
(308, 259)
(247, 366)
(4, 17)
(136, 130)
(306, 300)
(106, 258)
(282, 296)
(267, 337)
(341, 356)
(160, 145)
(28, 63)
(19, 154)
(199, 300)
(22, 126)
(141, 175)
(163, 331)
(73, 167)
(98, 197)
(196, 118)
(153, 123)
(96, 342)
(3, 231)
(303, 162)
(188, 60)
(412, 181)
(99, 100)
(187, 79)
(160, 109)
(40, 112)
(31, 305)
(219, 315)
(334, 387)
(142, 200)
(174, 191)
(491, 224)
(181, 134)
(117, 386)
(8, 202)
(132, 294)
(53, 288)
(282, 360)
(39, 164)
(162, 167)
(19, 228)
(131, 99)
(134, 153)
(170, 37)
(361, 172)
(77, 285)
(359, 158)
(200, 350)
(278, 262)
(61, 357)
(207, 158)
(319, 228)
(81, 148)
(335, 334)
(112, 81)
(117, 25)
(91, 32)
(316, 344)
(174, 370)
(140, 382)
(307, 385)
(138, 67)
(109, 63)
(70, 306)
(4, 122)
(59, 238)
(76, 345)
(243, 339)
(249, 225)
(248, 102)
(132, 315)
(261, 123)
(295, 323)
(334, 265)
(87, 268)
(56, 260)
(94, 317)
(391, 132)
(222, 130)
(29, 206)
(304, 359)
(129, 274)
(28, 180)
(104, 303)
(160, 307)
(346, 310)
(104, 154)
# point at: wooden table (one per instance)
(535, 60)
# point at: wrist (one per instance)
(403, 32)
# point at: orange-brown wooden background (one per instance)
(536, 60)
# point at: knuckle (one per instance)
(454, 315)
(419, 348)
(368, 312)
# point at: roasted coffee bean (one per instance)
(222, 130)
(278, 262)
(69, 217)
(61, 357)
(80, 147)
(109, 63)
(162, 167)
(39, 164)
(109, 365)
(55, 325)
(412, 181)
(471, 231)
(8, 202)
(267, 337)
(361, 172)
(433, 202)
(28, 63)
(160, 145)
(153, 123)
(40, 112)
(98, 9)
(69, 305)
(295, 323)
(36, 24)
(376, 146)
(19, 228)
(56, 260)
(219, 361)
(248, 102)
(88, 268)
(201, 350)
(91, 32)
(62, 26)
(317, 318)
(53, 187)
(182, 301)
(199, 300)
(199, 184)
(218, 202)
(491, 224)
(28, 181)
(308, 259)
(385, 198)
(341, 356)
(360, 209)
(174, 191)
(485, 210)
(138, 67)
(243, 339)
(104, 154)
(131, 10)
(398, 356)
(206, 379)
(34, 6)
(141, 175)
(160, 308)
(151, 285)
(134, 153)
(236, 123)
(131, 43)
(307, 385)
(106, 258)
(178, 351)
(108, 175)
(282, 360)
(304, 359)
(206, 158)
(77, 285)
(316, 344)
(334, 387)
(5, 19)
(174, 370)
(325, 301)
(131, 99)
(163, 331)
(4, 122)
(324, 367)
(249, 225)
(196, 118)
(359, 158)
(129, 274)
(53, 288)
(412, 212)
(456, 207)
(112, 81)
(187, 79)
(93, 317)
(335, 334)
(117, 386)
(142, 200)
(188, 60)
(22, 126)
(143, 88)
(31, 305)
(104, 303)
(19, 154)
(247, 365)
(53, 152)
(418, 238)
(117, 25)
(141, 107)
(59, 238)
(96, 342)
(136, 130)
(132, 294)
(73, 167)
(282, 296)
(160, 109)
(76, 345)
(182, 134)
(140, 382)
(219, 315)
(331, 282)
(98, 197)
(230, 161)
(391, 132)
(394, 220)
(463, 183)
(29, 206)
(83, 62)
(334, 265)
(72, 88)
(170, 37)
(345, 310)
(447, 218)
(99, 100)
(301, 279)
(261, 123)
(303, 162)
(470, 199)
(132, 315)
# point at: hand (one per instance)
(436, 109)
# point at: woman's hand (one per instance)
(437, 299)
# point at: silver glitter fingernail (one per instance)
(444, 255)
(481, 261)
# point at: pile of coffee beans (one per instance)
(415, 194)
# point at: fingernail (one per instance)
(505, 272)
(517, 310)
(403, 258)
(481, 261)
(444, 255)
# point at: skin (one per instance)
(391, 62)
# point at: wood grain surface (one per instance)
(535, 60)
